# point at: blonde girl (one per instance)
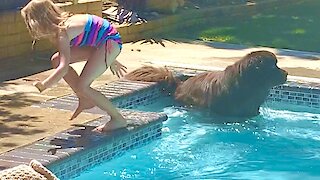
(78, 37)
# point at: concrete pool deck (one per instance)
(20, 123)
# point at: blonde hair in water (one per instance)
(43, 18)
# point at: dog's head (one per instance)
(260, 68)
(247, 83)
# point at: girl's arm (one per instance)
(62, 69)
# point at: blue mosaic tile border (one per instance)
(143, 97)
(297, 94)
(75, 165)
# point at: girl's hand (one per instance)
(118, 69)
(39, 85)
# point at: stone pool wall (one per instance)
(16, 41)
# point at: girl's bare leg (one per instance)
(77, 54)
(94, 67)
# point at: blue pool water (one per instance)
(281, 143)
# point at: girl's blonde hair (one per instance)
(43, 18)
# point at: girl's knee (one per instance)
(83, 89)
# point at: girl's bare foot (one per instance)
(111, 125)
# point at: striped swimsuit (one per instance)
(96, 33)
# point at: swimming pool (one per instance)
(283, 142)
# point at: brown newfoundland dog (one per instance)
(238, 91)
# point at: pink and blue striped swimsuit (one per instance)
(96, 33)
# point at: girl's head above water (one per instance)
(44, 18)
